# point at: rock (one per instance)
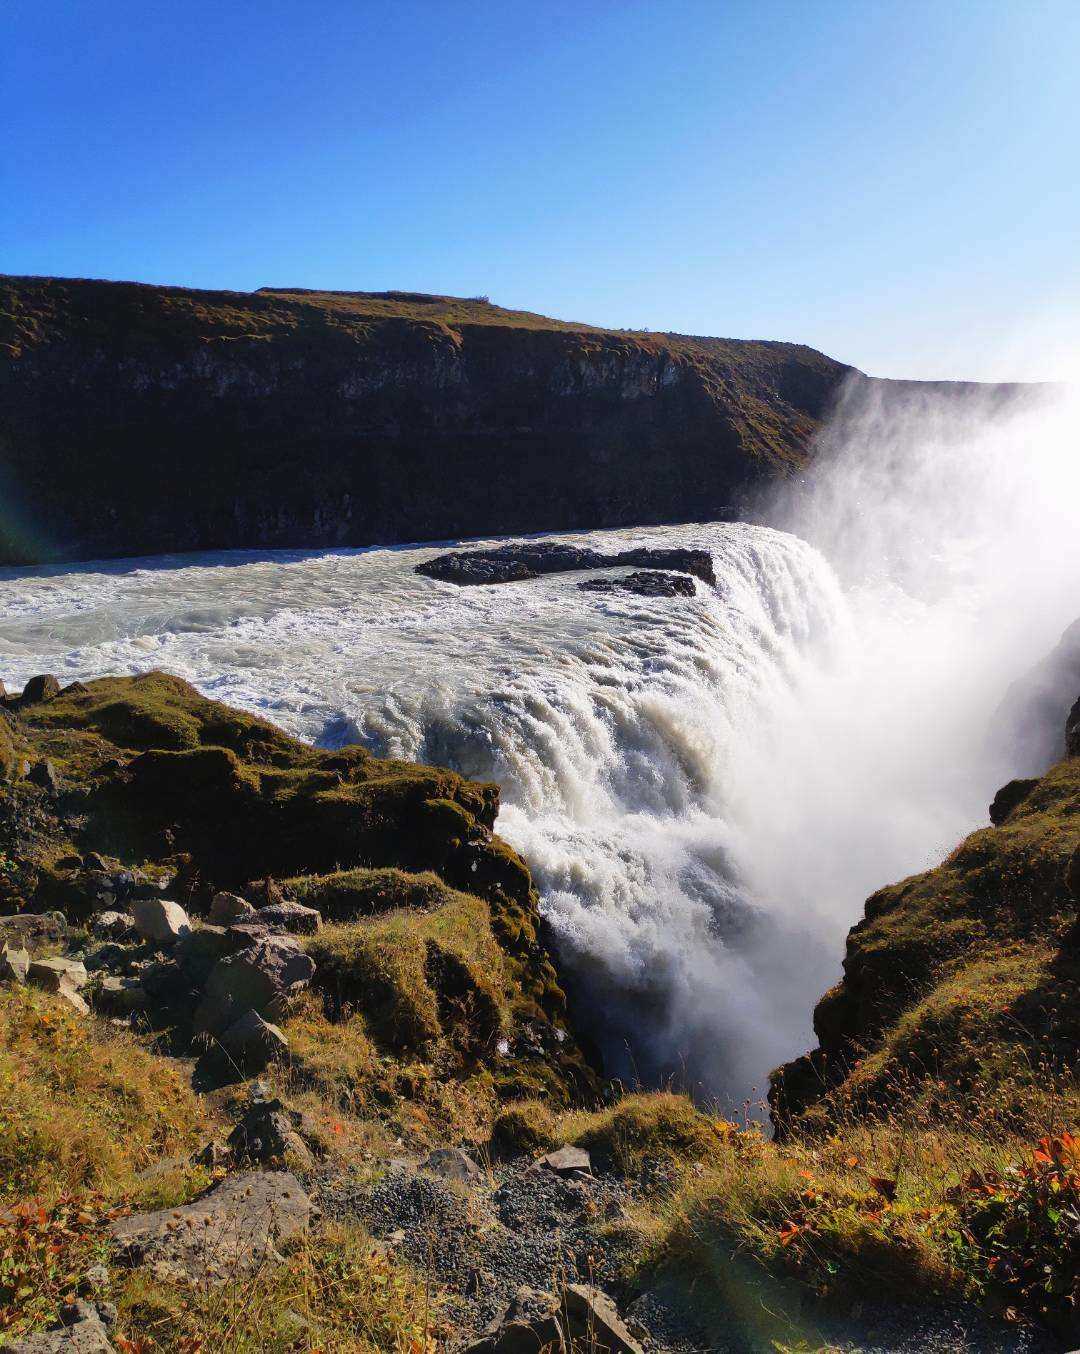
(1072, 732)
(251, 1042)
(159, 920)
(451, 1163)
(34, 931)
(267, 1131)
(591, 1315)
(567, 1160)
(14, 965)
(200, 949)
(95, 1280)
(119, 996)
(231, 1230)
(1072, 874)
(114, 925)
(646, 583)
(93, 861)
(581, 1317)
(50, 974)
(228, 907)
(530, 559)
(167, 984)
(261, 978)
(42, 688)
(44, 774)
(293, 917)
(1008, 797)
(83, 1329)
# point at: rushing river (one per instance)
(705, 788)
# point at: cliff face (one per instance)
(137, 419)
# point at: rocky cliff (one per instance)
(138, 419)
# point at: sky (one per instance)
(894, 182)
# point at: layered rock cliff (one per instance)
(138, 419)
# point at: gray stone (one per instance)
(52, 973)
(229, 907)
(451, 1163)
(251, 1043)
(293, 917)
(113, 925)
(231, 1230)
(567, 1160)
(581, 1317)
(42, 688)
(14, 965)
(119, 996)
(81, 1331)
(263, 977)
(268, 1131)
(159, 920)
(44, 775)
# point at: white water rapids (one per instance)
(705, 789)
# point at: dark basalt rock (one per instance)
(528, 559)
(645, 583)
(1008, 797)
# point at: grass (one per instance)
(85, 1111)
(644, 1130)
(337, 1292)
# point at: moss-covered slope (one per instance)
(434, 923)
(961, 985)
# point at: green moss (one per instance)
(523, 1128)
(640, 1130)
(418, 978)
(347, 895)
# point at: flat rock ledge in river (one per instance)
(531, 559)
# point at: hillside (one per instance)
(138, 419)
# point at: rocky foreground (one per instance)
(285, 1064)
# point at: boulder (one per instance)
(261, 977)
(14, 965)
(293, 917)
(51, 974)
(267, 1131)
(159, 920)
(1072, 732)
(34, 931)
(233, 1229)
(200, 949)
(114, 925)
(41, 688)
(581, 1317)
(1008, 797)
(567, 1161)
(44, 775)
(83, 1329)
(251, 1042)
(451, 1163)
(229, 907)
(119, 996)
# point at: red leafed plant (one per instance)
(1020, 1234)
(44, 1249)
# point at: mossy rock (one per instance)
(523, 1128)
(643, 1130)
(348, 895)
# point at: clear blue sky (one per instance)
(893, 181)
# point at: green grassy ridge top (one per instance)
(39, 310)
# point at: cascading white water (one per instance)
(704, 788)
